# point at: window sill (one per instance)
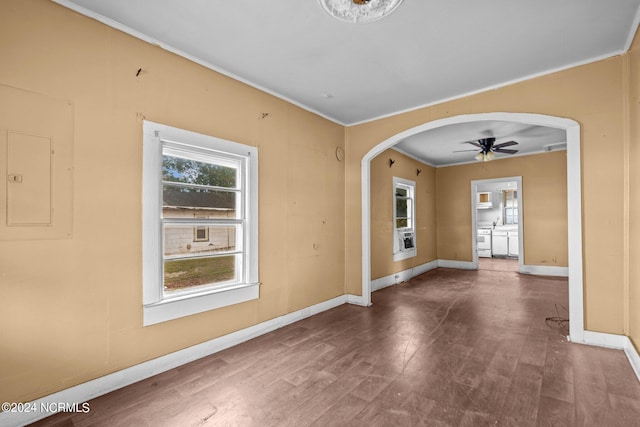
(399, 256)
(192, 304)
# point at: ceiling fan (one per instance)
(488, 148)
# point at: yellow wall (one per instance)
(633, 308)
(71, 308)
(382, 263)
(544, 192)
(593, 96)
(444, 198)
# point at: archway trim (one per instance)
(574, 200)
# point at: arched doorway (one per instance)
(574, 201)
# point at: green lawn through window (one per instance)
(186, 273)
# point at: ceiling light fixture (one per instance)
(359, 11)
(488, 148)
(485, 157)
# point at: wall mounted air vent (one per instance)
(555, 147)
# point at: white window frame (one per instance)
(514, 207)
(399, 252)
(206, 233)
(157, 306)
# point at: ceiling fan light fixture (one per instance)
(359, 11)
(489, 156)
(480, 157)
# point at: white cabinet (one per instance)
(514, 247)
(499, 244)
(505, 242)
(483, 200)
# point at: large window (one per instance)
(404, 240)
(200, 248)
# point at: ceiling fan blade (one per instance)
(462, 151)
(473, 143)
(505, 144)
(505, 150)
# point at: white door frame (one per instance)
(474, 211)
(574, 201)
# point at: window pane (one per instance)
(187, 202)
(191, 272)
(401, 192)
(401, 207)
(179, 239)
(402, 223)
(201, 234)
(187, 171)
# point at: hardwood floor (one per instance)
(448, 348)
(498, 264)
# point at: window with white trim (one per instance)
(510, 206)
(201, 234)
(404, 236)
(200, 223)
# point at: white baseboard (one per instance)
(619, 342)
(402, 276)
(634, 357)
(99, 386)
(423, 268)
(545, 270)
(356, 300)
(460, 265)
(539, 270)
(602, 339)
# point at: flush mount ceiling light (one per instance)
(359, 11)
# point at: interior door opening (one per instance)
(497, 223)
(574, 203)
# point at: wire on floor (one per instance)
(559, 322)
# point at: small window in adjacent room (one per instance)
(200, 236)
(404, 238)
(510, 206)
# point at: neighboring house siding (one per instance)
(184, 241)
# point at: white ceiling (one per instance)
(425, 52)
(439, 146)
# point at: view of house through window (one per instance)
(199, 196)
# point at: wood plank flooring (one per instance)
(498, 264)
(448, 348)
